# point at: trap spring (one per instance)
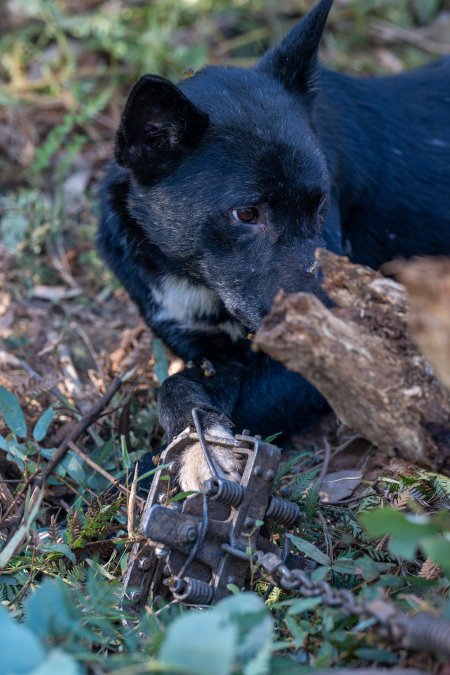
(192, 551)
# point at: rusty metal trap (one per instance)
(194, 549)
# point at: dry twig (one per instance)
(117, 484)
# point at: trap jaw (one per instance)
(193, 550)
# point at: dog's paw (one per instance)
(194, 469)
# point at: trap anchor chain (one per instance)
(222, 537)
(422, 631)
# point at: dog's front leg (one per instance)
(215, 396)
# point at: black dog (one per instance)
(224, 185)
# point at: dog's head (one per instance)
(228, 178)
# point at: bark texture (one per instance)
(428, 284)
(360, 355)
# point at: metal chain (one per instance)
(422, 631)
(298, 580)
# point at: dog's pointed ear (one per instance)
(294, 60)
(159, 125)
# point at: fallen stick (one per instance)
(84, 423)
(90, 462)
(361, 357)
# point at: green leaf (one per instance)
(270, 439)
(425, 9)
(14, 226)
(124, 451)
(442, 482)
(284, 665)
(56, 663)
(304, 482)
(12, 412)
(209, 638)
(16, 453)
(49, 611)
(377, 655)
(161, 362)
(74, 467)
(325, 656)
(19, 537)
(233, 589)
(286, 467)
(363, 567)
(182, 495)
(405, 530)
(21, 651)
(60, 548)
(299, 630)
(254, 646)
(303, 605)
(152, 472)
(310, 550)
(235, 636)
(439, 552)
(43, 423)
(320, 573)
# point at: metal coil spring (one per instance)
(425, 631)
(193, 592)
(225, 491)
(282, 511)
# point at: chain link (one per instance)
(298, 580)
(421, 631)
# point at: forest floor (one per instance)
(67, 329)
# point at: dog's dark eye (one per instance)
(250, 215)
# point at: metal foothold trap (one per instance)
(193, 550)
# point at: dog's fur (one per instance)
(222, 188)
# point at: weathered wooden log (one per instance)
(427, 281)
(361, 357)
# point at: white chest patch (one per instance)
(186, 303)
(232, 328)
